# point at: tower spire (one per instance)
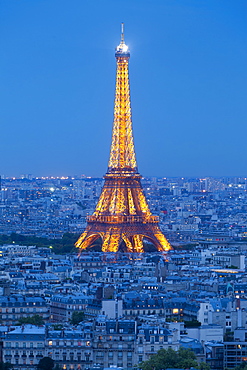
(122, 32)
(122, 154)
(122, 218)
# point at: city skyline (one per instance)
(187, 69)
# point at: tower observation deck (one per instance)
(122, 218)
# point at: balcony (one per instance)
(120, 219)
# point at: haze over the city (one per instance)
(187, 76)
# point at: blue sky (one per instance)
(188, 81)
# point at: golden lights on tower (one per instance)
(122, 218)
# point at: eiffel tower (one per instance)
(122, 218)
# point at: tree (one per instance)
(77, 317)
(33, 320)
(242, 366)
(233, 267)
(46, 363)
(6, 366)
(168, 358)
(229, 336)
(192, 323)
(203, 366)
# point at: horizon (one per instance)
(85, 177)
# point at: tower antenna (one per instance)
(122, 32)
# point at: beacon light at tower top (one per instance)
(122, 47)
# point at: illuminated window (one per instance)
(175, 310)
(50, 343)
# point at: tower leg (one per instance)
(161, 242)
(128, 244)
(138, 243)
(86, 240)
(111, 241)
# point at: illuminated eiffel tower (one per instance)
(122, 218)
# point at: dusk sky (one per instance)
(188, 79)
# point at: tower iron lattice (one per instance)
(122, 217)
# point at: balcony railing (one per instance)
(120, 219)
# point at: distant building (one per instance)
(16, 307)
(63, 306)
(114, 343)
(24, 347)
